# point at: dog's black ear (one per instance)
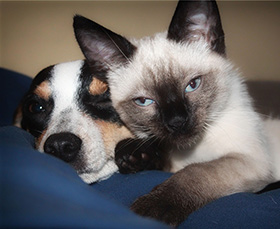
(101, 47)
(194, 20)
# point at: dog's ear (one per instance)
(101, 47)
(194, 20)
(18, 116)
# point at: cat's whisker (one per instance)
(225, 133)
(116, 45)
(141, 144)
(121, 51)
(124, 145)
(40, 132)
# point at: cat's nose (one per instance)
(65, 146)
(177, 124)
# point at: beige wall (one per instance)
(35, 34)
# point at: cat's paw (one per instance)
(163, 204)
(134, 155)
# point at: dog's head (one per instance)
(70, 114)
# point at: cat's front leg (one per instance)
(134, 155)
(167, 202)
(198, 184)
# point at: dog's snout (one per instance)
(65, 146)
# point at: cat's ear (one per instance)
(101, 47)
(194, 20)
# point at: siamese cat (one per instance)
(178, 88)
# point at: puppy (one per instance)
(69, 112)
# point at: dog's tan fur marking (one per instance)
(112, 133)
(43, 90)
(97, 87)
(40, 138)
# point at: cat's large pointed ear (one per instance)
(101, 47)
(193, 20)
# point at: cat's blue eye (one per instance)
(193, 85)
(143, 102)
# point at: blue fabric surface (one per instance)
(241, 210)
(38, 190)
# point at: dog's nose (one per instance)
(65, 146)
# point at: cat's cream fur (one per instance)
(236, 127)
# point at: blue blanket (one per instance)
(38, 190)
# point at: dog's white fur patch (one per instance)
(65, 83)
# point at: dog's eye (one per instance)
(36, 108)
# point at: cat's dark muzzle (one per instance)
(182, 140)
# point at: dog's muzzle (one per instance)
(65, 146)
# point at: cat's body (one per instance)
(179, 88)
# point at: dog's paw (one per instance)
(134, 155)
(162, 204)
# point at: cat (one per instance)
(179, 88)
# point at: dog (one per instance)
(69, 113)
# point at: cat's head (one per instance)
(171, 85)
